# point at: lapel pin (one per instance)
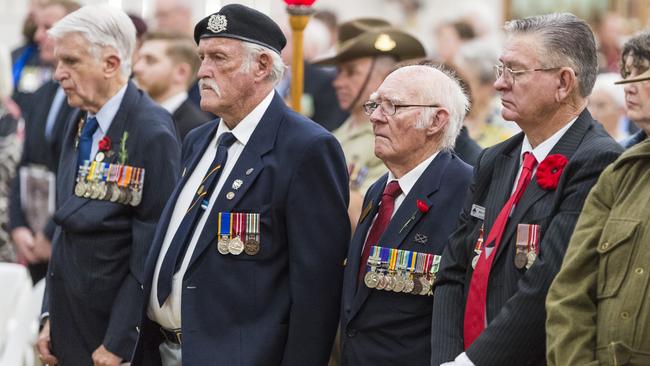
(237, 183)
(230, 195)
(184, 171)
(365, 212)
(421, 238)
(249, 171)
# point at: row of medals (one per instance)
(108, 189)
(237, 246)
(420, 282)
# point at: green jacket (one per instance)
(598, 306)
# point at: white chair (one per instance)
(19, 309)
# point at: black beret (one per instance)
(242, 23)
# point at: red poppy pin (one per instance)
(104, 144)
(422, 206)
(549, 171)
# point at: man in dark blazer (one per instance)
(386, 327)
(166, 67)
(106, 210)
(45, 113)
(246, 265)
(524, 201)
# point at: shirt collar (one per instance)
(542, 150)
(245, 128)
(172, 103)
(409, 179)
(107, 112)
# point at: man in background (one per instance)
(166, 68)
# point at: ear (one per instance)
(182, 73)
(438, 122)
(566, 83)
(111, 65)
(263, 67)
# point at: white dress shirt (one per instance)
(172, 103)
(169, 315)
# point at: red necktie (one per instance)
(475, 319)
(386, 208)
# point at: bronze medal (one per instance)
(236, 246)
(520, 260)
(251, 247)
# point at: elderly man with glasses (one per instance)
(525, 199)
(408, 215)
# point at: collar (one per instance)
(542, 150)
(409, 179)
(245, 128)
(107, 112)
(172, 103)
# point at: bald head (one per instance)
(174, 16)
(434, 85)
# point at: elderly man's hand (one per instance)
(103, 357)
(43, 345)
(42, 248)
(24, 244)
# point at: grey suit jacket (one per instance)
(515, 301)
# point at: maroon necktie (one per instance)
(477, 297)
(386, 208)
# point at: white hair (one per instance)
(252, 50)
(102, 26)
(446, 92)
(605, 82)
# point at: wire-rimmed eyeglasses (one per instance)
(510, 74)
(389, 108)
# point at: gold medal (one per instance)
(236, 246)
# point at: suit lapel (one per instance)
(566, 146)
(248, 167)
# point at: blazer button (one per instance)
(604, 246)
(351, 332)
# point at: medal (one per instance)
(400, 281)
(225, 232)
(383, 263)
(236, 246)
(530, 259)
(391, 270)
(99, 157)
(115, 192)
(478, 247)
(80, 186)
(136, 187)
(426, 279)
(533, 245)
(371, 278)
(408, 277)
(520, 260)
(252, 244)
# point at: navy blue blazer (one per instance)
(388, 328)
(279, 307)
(94, 282)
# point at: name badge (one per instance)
(478, 212)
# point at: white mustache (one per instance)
(211, 84)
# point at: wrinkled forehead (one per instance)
(521, 50)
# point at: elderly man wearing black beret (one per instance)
(246, 265)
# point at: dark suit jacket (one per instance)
(384, 327)
(466, 148)
(38, 150)
(279, 307)
(188, 116)
(515, 302)
(96, 270)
